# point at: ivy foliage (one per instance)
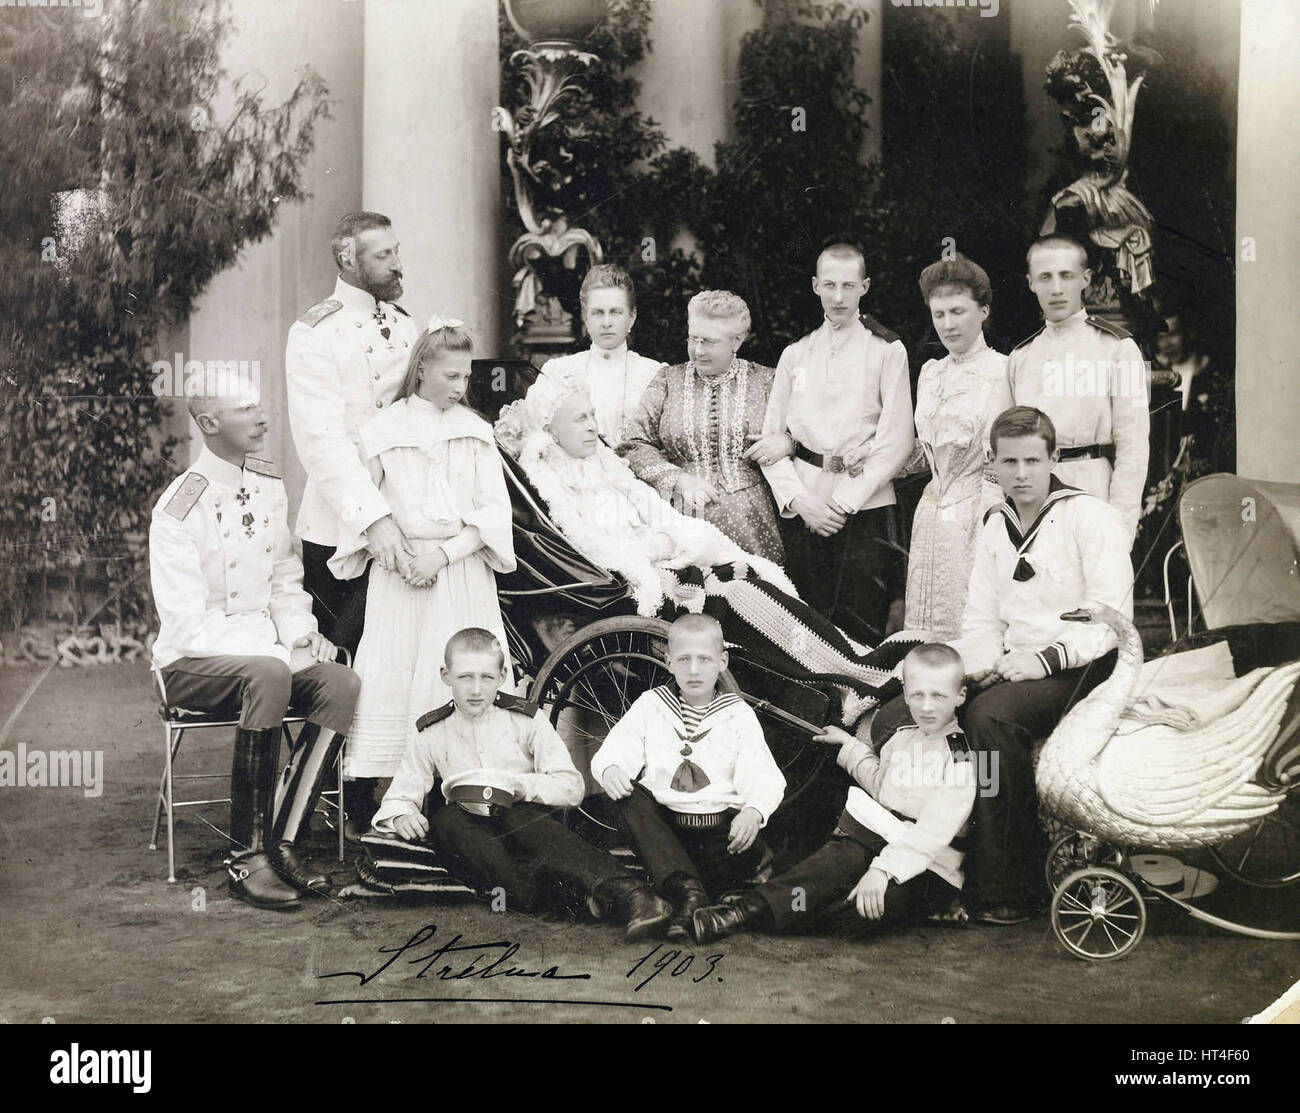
(125, 194)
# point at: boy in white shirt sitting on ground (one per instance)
(898, 846)
(691, 776)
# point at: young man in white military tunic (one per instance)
(237, 636)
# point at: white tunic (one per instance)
(646, 744)
(339, 372)
(1079, 555)
(615, 380)
(226, 576)
(917, 775)
(440, 472)
(837, 389)
(526, 749)
(1092, 383)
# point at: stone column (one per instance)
(245, 313)
(432, 159)
(1268, 243)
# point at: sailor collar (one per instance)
(1023, 540)
(672, 698)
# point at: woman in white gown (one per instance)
(957, 398)
(615, 376)
(673, 562)
(437, 465)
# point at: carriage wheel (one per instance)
(1266, 855)
(1098, 914)
(1075, 851)
(591, 679)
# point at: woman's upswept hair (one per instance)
(721, 305)
(608, 276)
(957, 274)
(429, 347)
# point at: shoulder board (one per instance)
(515, 703)
(262, 467)
(1029, 338)
(959, 746)
(187, 494)
(319, 312)
(876, 328)
(436, 716)
(1109, 327)
(399, 309)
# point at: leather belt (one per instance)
(701, 821)
(483, 800)
(1090, 452)
(834, 464)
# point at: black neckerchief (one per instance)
(1056, 491)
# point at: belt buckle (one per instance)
(835, 464)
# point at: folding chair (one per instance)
(178, 721)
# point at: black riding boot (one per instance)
(252, 785)
(688, 894)
(295, 796)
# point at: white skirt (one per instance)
(401, 653)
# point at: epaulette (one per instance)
(1109, 327)
(515, 703)
(399, 309)
(1028, 338)
(876, 328)
(263, 467)
(436, 716)
(959, 746)
(187, 494)
(320, 311)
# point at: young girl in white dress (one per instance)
(614, 375)
(436, 463)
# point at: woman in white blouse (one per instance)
(957, 398)
(615, 376)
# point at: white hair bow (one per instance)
(436, 323)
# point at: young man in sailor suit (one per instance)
(1047, 549)
(843, 397)
(691, 776)
(504, 772)
(898, 845)
(345, 360)
(237, 634)
(1089, 377)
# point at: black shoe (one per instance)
(253, 879)
(291, 868)
(643, 910)
(1003, 915)
(692, 896)
(743, 912)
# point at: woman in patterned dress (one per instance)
(957, 398)
(688, 437)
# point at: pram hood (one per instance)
(1243, 547)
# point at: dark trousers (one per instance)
(666, 849)
(818, 885)
(1005, 865)
(517, 850)
(339, 605)
(261, 689)
(851, 577)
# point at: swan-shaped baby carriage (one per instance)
(1227, 784)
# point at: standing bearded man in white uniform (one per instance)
(345, 360)
(1089, 377)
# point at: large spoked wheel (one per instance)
(1098, 914)
(1268, 854)
(1075, 851)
